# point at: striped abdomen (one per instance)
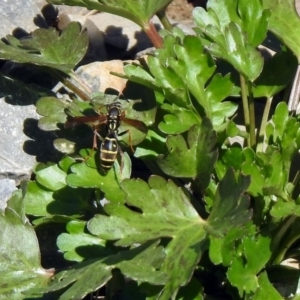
(108, 151)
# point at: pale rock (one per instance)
(97, 75)
(7, 187)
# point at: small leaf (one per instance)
(257, 252)
(194, 158)
(254, 20)
(78, 245)
(20, 267)
(52, 177)
(284, 17)
(277, 73)
(232, 34)
(282, 209)
(49, 49)
(180, 119)
(87, 177)
(230, 207)
(266, 289)
(53, 112)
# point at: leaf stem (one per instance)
(70, 85)
(153, 35)
(76, 78)
(244, 94)
(279, 254)
(252, 115)
(264, 121)
(164, 19)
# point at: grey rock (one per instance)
(7, 187)
(122, 33)
(21, 140)
(17, 13)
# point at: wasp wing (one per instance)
(92, 120)
(141, 126)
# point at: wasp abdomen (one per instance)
(108, 151)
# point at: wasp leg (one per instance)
(122, 160)
(94, 144)
(129, 138)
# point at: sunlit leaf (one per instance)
(48, 48)
(20, 267)
(138, 263)
(138, 11)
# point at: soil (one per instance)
(182, 9)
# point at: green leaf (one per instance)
(53, 111)
(52, 178)
(151, 146)
(20, 267)
(276, 176)
(49, 49)
(168, 214)
(193, 290)
(179, 120)
(232, 34)
(89, 177)
(251, 167)
(282, 209)
(256, 252)
(223, 250)
(139, 263)
(254, 20)
(266, 289)
(284, 23)
(184, 73)
(231, 205)
(193, 158)
(277, 73)
(229, 158)
(283, 132)
(77, 245)
(137, 11)
(37, 199)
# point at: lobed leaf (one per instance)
(49, 49)
(138, 263)
(197, 154)
(257, 252)
(78, 245)
(168, 214)
(230, 207)
(232, 30)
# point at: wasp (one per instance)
(109, 148)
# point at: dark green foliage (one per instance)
(211, 218)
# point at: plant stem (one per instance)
(80, 82)
(164, 19)
(252, 115)
(70, 85)
(278, 239)
(244, 93)
(153, 35)
(295, 92)
(264, 121)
